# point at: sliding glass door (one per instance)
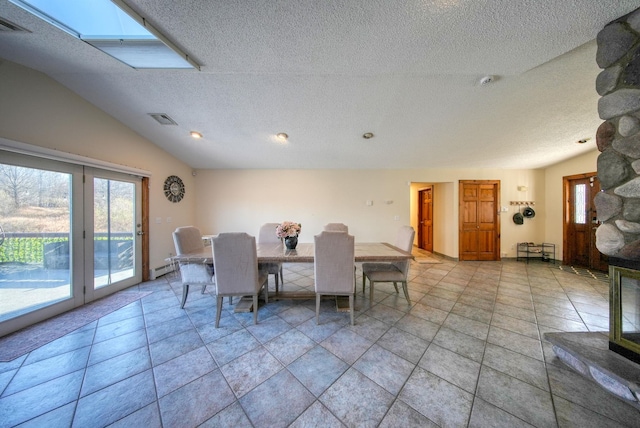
(68, 235)
(116, 219)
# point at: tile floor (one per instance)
(466, 352)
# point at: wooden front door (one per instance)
(479, 223)
(425, 214)
(581, 222)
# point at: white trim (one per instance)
(52, 154)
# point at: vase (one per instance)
(290, 242)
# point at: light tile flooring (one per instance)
(466, 352)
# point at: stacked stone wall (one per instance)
(618, 138)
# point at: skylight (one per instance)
(113, 28)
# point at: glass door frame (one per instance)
(76, 242)
(25, 155)
(92, 293)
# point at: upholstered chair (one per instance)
(237, 274)
(334, 265)
(396, 272)
(336, 227)
(267, 235)
(188, 239)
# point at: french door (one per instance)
(115, 218)
(68, 235)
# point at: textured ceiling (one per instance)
(325, 72)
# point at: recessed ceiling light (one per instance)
(367, 135)
(282, 136)
(195, 134)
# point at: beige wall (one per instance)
(241, 200)
(553, 190)
(39, 111)
(44, 113)
(446, 183)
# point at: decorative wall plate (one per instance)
(174, 188)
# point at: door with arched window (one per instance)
(581, 222)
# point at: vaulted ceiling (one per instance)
(326, 72)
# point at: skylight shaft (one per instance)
(107, 27)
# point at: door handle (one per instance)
(139, 233)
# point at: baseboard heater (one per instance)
(161, 270)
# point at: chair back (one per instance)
(187, 239)
(268, 235)
(405, 237)
(336, 227)
(334, 263)
(404, 241)
(236, 263)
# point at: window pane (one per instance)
(102, 24)
(35, 224)
(580, 207)
(114, 230)
(89, 18)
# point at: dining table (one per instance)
(379, 252)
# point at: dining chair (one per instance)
(396, 272)
(188, 239)
(334, 266)
(267, 235)
(237, 274)
(336, 227)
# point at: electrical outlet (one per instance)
(396, 218)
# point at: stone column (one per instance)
(618, 138)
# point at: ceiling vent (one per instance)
(7, 26)
(163, 118)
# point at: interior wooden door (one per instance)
(581, 222)
(425, 231)
(479, 223)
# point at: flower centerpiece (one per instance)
(289, 230)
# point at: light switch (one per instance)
(169, 219)
(158, 219)
(396, 218)
(369, 203)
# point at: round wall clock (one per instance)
(174, 188)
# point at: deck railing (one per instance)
(49, 248)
